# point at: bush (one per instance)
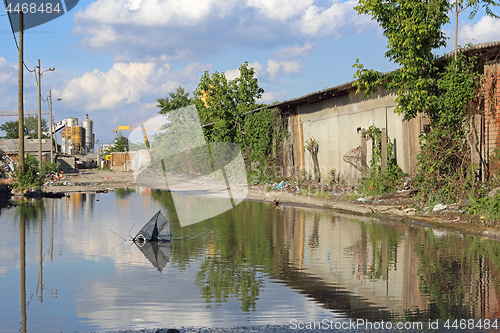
(486, 207)
(48, 167)
(379, 183)
(29, 175)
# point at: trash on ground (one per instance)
(280, 185)
(439, 207)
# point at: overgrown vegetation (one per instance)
(445, 97)
(445, 172)
(378, 182)
(30, 174)
(227, 108)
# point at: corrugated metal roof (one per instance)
(11, 146)
(330, 92)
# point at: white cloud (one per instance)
(195, 29)
(8, 72)
(275, 67)
(487, 29)
(127, 83)
(102, 36)
(294, 51)
(274, 96)
(281, 10)
(231, 74)
(8, 84)
(318, 21)
(288, 60)
(153, 13)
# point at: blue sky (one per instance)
(114, 58)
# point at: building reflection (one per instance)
(372, 270)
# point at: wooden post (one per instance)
(20, 66)
(363, 150)
(384, 150)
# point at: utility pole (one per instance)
(51, 133)
(39, 113)
(20, 81)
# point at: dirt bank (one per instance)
(400, 206)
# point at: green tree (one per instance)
(121, 145)
(11, 128)
(413, 30)
(177, 100)
(222, 102)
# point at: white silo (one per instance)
(66, 141)
(87, 124)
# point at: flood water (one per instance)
(66, 267)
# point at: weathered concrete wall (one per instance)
(67, 164)
(336, 124)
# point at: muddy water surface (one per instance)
(68, 264)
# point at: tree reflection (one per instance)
(241, 249)
(30, 210)
(123, 193)
(238, 247)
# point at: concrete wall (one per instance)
(67, 164)
(335, 123)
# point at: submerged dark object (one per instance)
(156, 229)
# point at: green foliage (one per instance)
(121, 145)
(375, 134)
(444, 160)
(48, 167)
(486, 207)
(177, 100)
(223, 102)
(413, 29)
(457, 86)
(379, 183)
(311, 191)
(263, 132)
(29, 175)
(11, 128)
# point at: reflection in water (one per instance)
(255, 263)
(158, 253)
(22, 275)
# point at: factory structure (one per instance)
(76, 139)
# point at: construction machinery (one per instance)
(133, 127)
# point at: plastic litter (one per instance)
(362, 199)
(280, 185)
(439, 207)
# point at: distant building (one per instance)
(11, 148)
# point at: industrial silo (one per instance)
(88, 142)
(77, 138)
(67, 140)
(71, 122)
